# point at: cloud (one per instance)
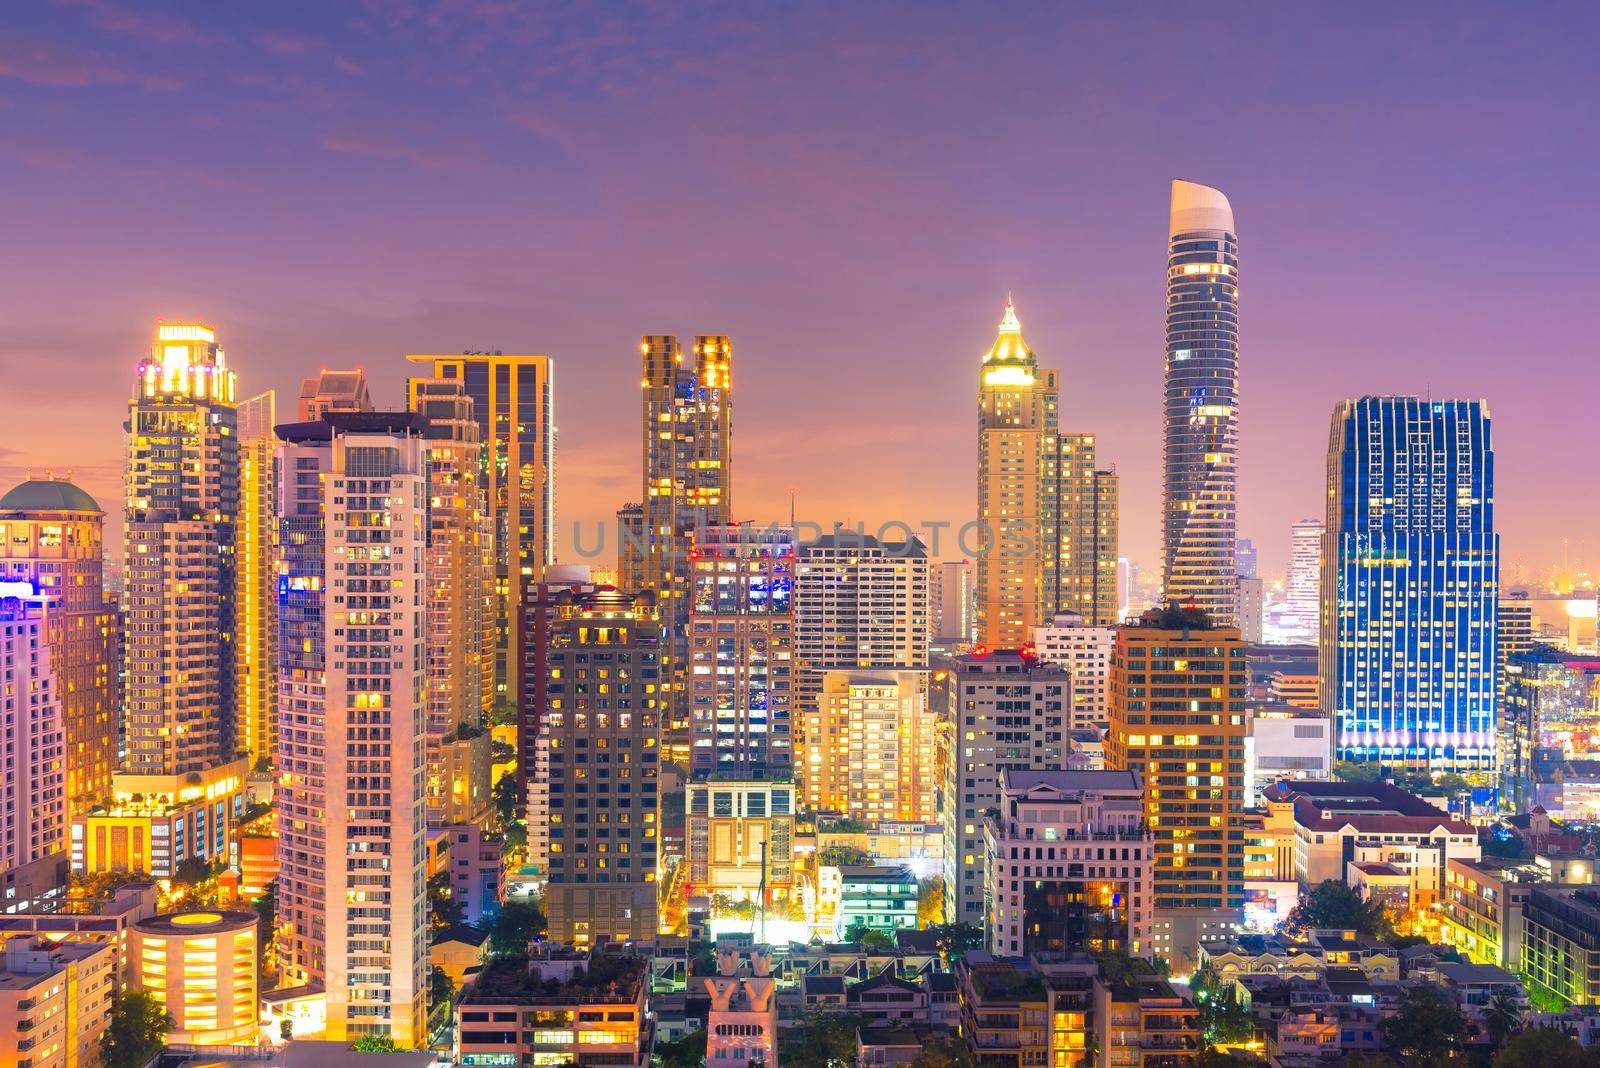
(384, 147)
(39, 62)
(159, 29)
(287, 44)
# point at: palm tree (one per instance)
(1503, 1016)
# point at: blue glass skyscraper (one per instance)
(1410, 584)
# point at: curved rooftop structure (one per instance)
(1008, 347)
(1198, 207)
(197, 923)
(48, 495)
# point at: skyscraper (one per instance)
(256, 557)
(1410, 585)
(50, 536)
(1017, 469)
(740, 681)
(352, 740)
(512, 403)
(602, 726)
(1081, 573)
(1178, 719)
(33, 795)
(1200, 457)
(182, 481)
(1304, 585)
(952, 603)
(688, 477)
(461, 605)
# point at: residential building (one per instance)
(872, 754)
(512, 405)
(558, 1008)
(742, 1023)
(201, 967)
(1200, 455)
(477, 864)
(1080, 572)
(1252, 597)
(1006, 1015)
(33, 792)
(1339, 823)
(1301, 691)
(878, 897)
(1005, 710)
(1482, 909)
(1245, 558)
(1141, 1021)
(460, 951)
(354, 496)
(952, 603)
(1069, 864)
(1085, 650)
(1410, 586)
(179, 531)
(1303, 588)
(333, 391)
(1561, 944)
(461, 605)
(1178, 720)
(602, 726)
(51, 536)
(55, 1001)
(256, 583)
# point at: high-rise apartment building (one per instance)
(50, 537)
(688, 481)
(33, 792)
(1410, 585)
(256, 603)
(182, 484)
(630, 546)
(953, 603)
(1244, 558)
(1017, 466)
(352, 733)
(1005, 710)
(602, 726)
(1303, 590)
(1178, 720)
(1085, 651)
(740, 689)
(461, 605)
(1200, 457)
(512, 403)
(1252, 601)
(859, 603)
(1081, 501)
(875, 751)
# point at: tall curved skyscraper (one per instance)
(1200, 454)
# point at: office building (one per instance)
(55, 1001)
(1070, 864)
(602, 726)
(1411, 584)
(1252, 597)
(50, 536)
(352, 733)
(1551, 713)
(461, 605)
(201, 968)
(1005, 710)
(557, 1008)
(1178, 720)
(1080, 570)
(182, 483)
(33, 792)
(333, 391)
(953, 603)
(256, 561)
(1303, 589)
(1200, 454)
(872, 753)
(1085, 651)
(512, 404)
(1017, 466)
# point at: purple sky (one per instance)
(848, 190)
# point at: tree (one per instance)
(1428, 1023)
(868, 936)
(266, 907)
(1212, 1057)
(440, 989)
(687, 1052)
(191, 872)
(944, 1053)
(514, 928)
(506, 798)
(839, 856)
(516, 837)
(820, 1040)
(503, 713)
(1337, 905)
(443, 909)
(137, 1032)
(1223, 1017)
(954, 939)
(1350, 771)
(1502, 1016)
(1542, 1047)
(930, 901)
(286, 1029)
(374, 1044)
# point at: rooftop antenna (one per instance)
(791, 509)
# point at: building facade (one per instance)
(51, 537)
(1085, 650)
(1409, 658)
(200, 967)
(1081, 572)
(1178, 721)
(1303, 588)
(873, 754)
(1200, 455)
(952, 601)
(55, 1001)
(33, 792)
(256, 601)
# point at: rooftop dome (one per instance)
(48, 495)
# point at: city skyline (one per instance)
(1434, 310)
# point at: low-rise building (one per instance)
(1069, 863)
(1141, 1022)
(1286, 742)
(477, 864)
(459, 951)
(55, 1001)
(202, 967)
(153, 823)
(1481, 913)
(887, 1000)
(1561, 943)
(890, 1047)
(742, 1024)
(559, 1008)
(877, 897)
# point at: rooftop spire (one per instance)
(1008, 321)
(1009, 348)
